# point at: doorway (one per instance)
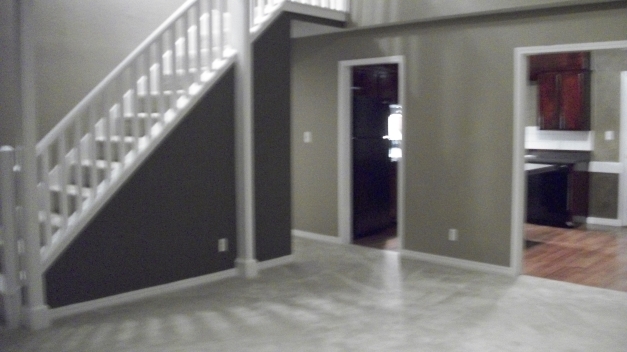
(519, 176)
(374, 165)
(370, 183)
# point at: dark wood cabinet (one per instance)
(574, 61)
(564, 100)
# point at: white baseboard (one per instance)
(459, 263)
(604, 222)
(605, 167)
(267, 264)
(133, 296)
(316, 236)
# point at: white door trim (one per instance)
(345, 186)
(518, 173)
(622, 180)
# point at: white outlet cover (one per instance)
(307, 137)
(609, 135)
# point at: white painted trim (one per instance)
(268, 264)
(606, 167)
(137, 295)
(35, 313)
(603, 221)
(459, 263)
(518, 176)
(244, 139)
(297, 8)
(622, 181)
(316, 237)
(345, 149)
(536, 138)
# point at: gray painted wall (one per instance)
(271, 86)
(366, 13)
(80, 41)
(458, 120)
(10, 108)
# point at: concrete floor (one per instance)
(350, 298)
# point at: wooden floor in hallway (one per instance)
(587, 255)
(385, 239)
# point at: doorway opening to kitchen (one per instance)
(552, 235)
(370, 165)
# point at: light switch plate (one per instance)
(307, 137)
(609, 135)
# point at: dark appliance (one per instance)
(557, 191)
(374, 174)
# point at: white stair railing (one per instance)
(116, 123)
(96, 146)
(10, 285)
(261, 9)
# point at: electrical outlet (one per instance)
(223, 245)
(307, 137)
(609, 135)
(453, 235)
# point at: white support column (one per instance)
(244, 148)
(35, 311)
(10, 259)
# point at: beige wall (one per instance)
(10, 109)
(378, 13)
(458, 121)
(606, 68)
(80, 41)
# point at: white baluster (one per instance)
(10, 257)
(118, 108)
(147, 108)
(108, 131)
(159, 69)
(78, 158)
(174, 82)
(45, 195)
(133, 105)
(184, 44)
(93, 171)
(219, 24)
(197, 38)
(205, 35)
(62, 180)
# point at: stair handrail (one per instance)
(188, 49)
(50, 137)
(11, 294)
(261, 8)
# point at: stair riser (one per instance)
(55, 202)
(86, 175)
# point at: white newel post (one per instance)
(246, 262)
(10, 257)
(35, 310)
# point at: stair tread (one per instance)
(72, 189)
(55, 219)
(116, 138)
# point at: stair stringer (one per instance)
(78, 221)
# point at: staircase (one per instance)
(87, 157)
(89, 154)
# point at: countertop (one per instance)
(534, 169)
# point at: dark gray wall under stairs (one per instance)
(163, 225)
(271, 67)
